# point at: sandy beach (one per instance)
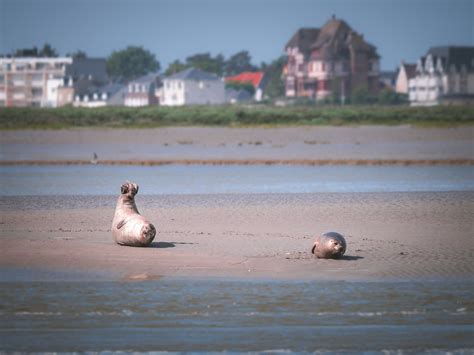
(300, 145)
(390, 236)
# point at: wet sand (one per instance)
(217, 145)
(390, 236)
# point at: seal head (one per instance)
(330, 245)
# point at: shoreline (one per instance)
(303, 162)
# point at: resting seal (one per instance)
(128, 226)
(330, 245)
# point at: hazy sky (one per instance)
(175, 29)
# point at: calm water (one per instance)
(185, 315)
(192, 179)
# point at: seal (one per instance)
(330, 245)
(128, 226)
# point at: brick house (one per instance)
(331, 60)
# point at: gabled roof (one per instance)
(334, 39)
(193, 74)
(303, 39)
(253, 77)
(332, 31)
(146, 79)
(456, 56)
(85, 68)
(410, 70)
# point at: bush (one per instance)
(230, 115)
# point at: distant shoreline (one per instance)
(304, 162)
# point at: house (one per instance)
(404, 74)
(143, 91)
(444, 75)
(234, 96)
(254, 78)
(387, 79)
(86, 94)
(84, 70)
(330, 61)
(192, 87)
(31, 81)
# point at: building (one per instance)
(254, 78)
(404, 74)
(143, 91)
(192, 87)
(31, 81)
(89, 95)
(233, 96)
(387, 79)
(80, 73)
(443, 75)
(330, 61)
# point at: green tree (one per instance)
(273, 75)
(79, 54)
(131, 63)
(175, 67)
(238, 63)
(46, 51)
(206, 62)
(360, 95)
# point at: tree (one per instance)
(238, 63)
(273, 73)
(131, 63)
(360, 95)
(79, 54)
(46, 51)
(206, 62)
(175, 67)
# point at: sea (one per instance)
(55, 312)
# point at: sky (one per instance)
(175, 29)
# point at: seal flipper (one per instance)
(121, 223)
(314, 247)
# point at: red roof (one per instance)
(254, 77)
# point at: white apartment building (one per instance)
(444, 75)
(192, 87)
(31, 81)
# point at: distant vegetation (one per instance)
(128, 117)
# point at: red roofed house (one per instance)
(255, 78)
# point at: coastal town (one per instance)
(330, 64)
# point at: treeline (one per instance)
(124, 117)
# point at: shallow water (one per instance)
(195, 179)
(185, 315)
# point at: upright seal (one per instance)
(330, 245)
(129, 227)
